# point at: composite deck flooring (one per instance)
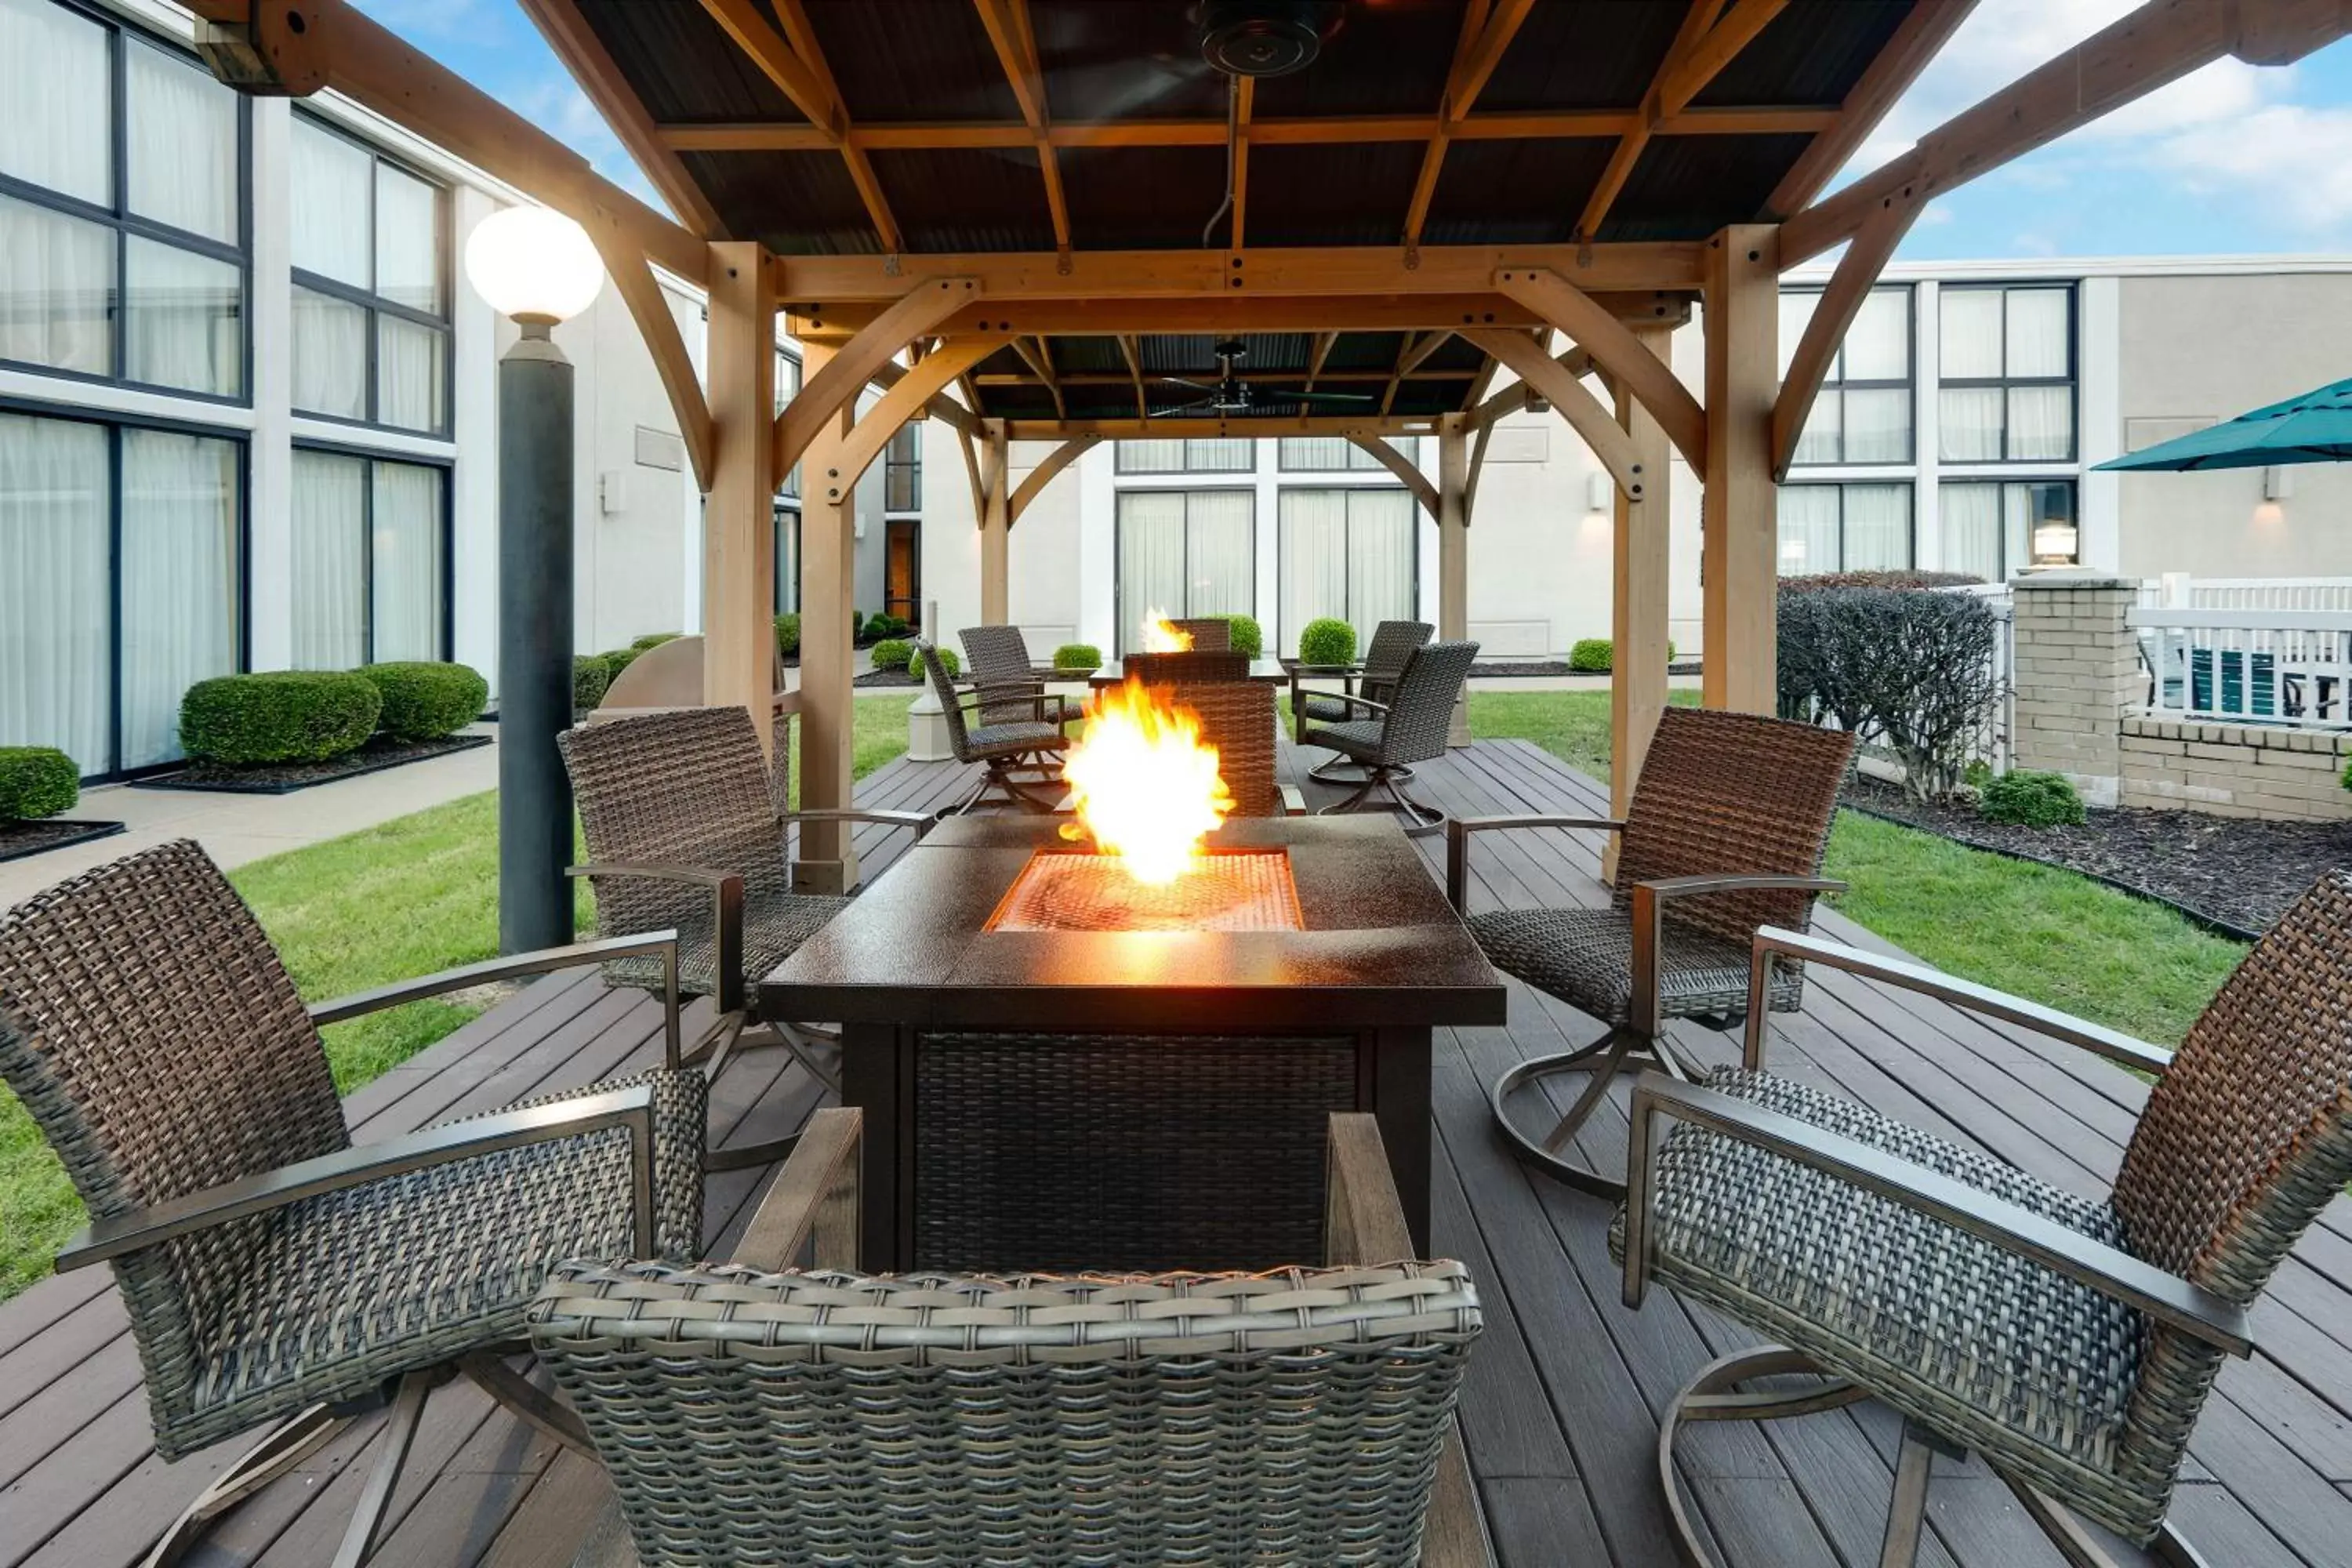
(1562, 1404)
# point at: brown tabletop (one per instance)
(1273, 671)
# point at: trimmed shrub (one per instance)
(279, 716)
(1248, 636)
(892, 653)
(423, 701)
(2029, 799)
(36, 781)
(654, 639)
(788, 634)
(1910, 671)
(888, 626)
(1670, 650)
(1086, 656)
(2347, 779)
(1326, 640)
(589, 679)
(948, 656)
(1822, 582)
(1594, 655)
(617, 660)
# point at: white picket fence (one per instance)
(2180, 591)
(2288, 664)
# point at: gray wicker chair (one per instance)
(758, 1413)
(1408, 727)
(1020, 758)
(1210, 634)
(1726, 834)
(685, 831)
(1375, 677)
(273, 1273)
(1012, 689)
(2070, 1341)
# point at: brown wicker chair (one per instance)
(273, 1273)
(1012, 689)
(1210, 634)
(2070, 1340)
(1408, 727)
(1019, 758)
(685, 832)
(760, 1414)
(1237, 718)
(1375, 677)
(1725, 835)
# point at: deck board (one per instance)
(1560, 1406)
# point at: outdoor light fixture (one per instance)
(2054, 542)
(535, 265)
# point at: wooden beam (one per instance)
(834, 387)
(1034, 355)
(1397, 463)
(1009, 32)
(1070, 378)
(1706, 59)
(1640, 600)
(1133, 352)
(906, 401)
(650, 309)
(1477, 466)
(996, 531)
(1617, 351)
(1454, 552)
(1739, 563)
(1696, 19)
(965, 439)
(1486, 33)
(2160, 42)
(1244, 103)
(1054, 462)
(584, 56)
(1917, 39)
(737, 526)
(1569, 397)
(797, 68)
(942, 407)
(828, 862)
(1256, 428)
(1315, 356)
(1059, 317)
(1515, 397)
(1848, 287)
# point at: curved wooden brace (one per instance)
(1849, 288)
(1397, 463)
(1613, 347)
(843, 376)
(906, 400)
(1552, 382)
(1060, 457)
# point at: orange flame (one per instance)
(1161, 635)
(1143, 784)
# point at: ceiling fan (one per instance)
(1231, 394)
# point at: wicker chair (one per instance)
(1012, 689)
(1210, 634)
(1237, 718)
(1375, 677)
(2070, 1341)
(1408, 727)
(1725, 834)
(685, 827)
(273, 1273)
(757, 1414)
(1021, 757)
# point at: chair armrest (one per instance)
(726, 888)
(1649, 916)
(922, 822)
(814, 1194)
(1326, 669)
(662, 944)
(2171, 1301)
(631, 1108)
(1363, 1218)
(1458, 830)
(1966, 995)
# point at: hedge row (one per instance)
(316, 715)
(1597, 655)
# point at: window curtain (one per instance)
(56, 615)
(55, 101)
(1221, 457)
(2042, 422)
(329, 356)
(2037, 334)
(1969, 426)
(184, 327)
(1878, 345)
(1823, 440)
(1796, 310)
(407, 240)
(329, 519)
(1314, 559)
(181, 128)
(180, 609)
(1150, 457)
(1877, 534)
(1877, 425)
(1973, 531)
(1971, 340)
(1150, 559)
(410, 374)
(1379, 559)
(1808, 530)
(332, 178)
(1220, 556)
(1316, 453)
(788, 561)
(404, 574)
(57, 289)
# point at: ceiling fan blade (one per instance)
(1327, 396)
(1179, 381)
(1205, 405)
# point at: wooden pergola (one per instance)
(1014, 213)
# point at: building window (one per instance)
(788, 557)
(1864, 412)
(2008, 374)
(788, 386)
(1184, 552)
(1238, 456)
(123, 220)
(1989, 524)
(902, 469)
(1336, 454)
(1845, 528)
(1346, 553)
(121, 584)
(370, 561)
(371, 311)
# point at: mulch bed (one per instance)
(2234, 873)
(285, 778)
(886, 678)
(18, 839)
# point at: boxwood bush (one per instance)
(2029, 799)
(654, 639)
(948, 656)
(589, 679)
(617, 660)
(279, 716)
(1248, 636)
(788, 634)
(1086, 656)
(35, 782)
(887, 626)
(1596, 656)
(1325, 640)
(424, 702)
(892, 653)
(1912, 672)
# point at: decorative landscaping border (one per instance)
(210, 779)
(22, 840)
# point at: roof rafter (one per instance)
(1486, 32)
(1007, 22)
(1039, 358)
(1134, 352)
(1244, 101)
(584, 55)
(1915, 42)
(1410, 355)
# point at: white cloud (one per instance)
(2292, 161)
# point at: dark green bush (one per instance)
(589, 679)
(892, 653)
(35, 782)
(788, 634)
(617, 660)
(1596, 656)
(654, 639)
(1914, 672)
(426, 701)
(1086, 656)
(948, 656)
(2027, 799)
(1325, 640)
(1248, 636)
(279, 716)
(887, 626)
(1820, 582)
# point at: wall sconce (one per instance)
(1600, 493)
(2056, 541)
(2278, 482)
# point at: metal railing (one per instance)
(2262, 666)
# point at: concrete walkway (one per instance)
(235, 828)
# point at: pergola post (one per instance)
(1638, 603)
(996, 525)
(739, 538)
(1739, 560)
(828, 862)
(1454, 552)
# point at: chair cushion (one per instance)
(1011, 740)
(356, 1286)
(1327, 708)
(1360, 739)
(2010, 1358)
(775, 924)
(1585, 957)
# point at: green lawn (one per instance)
(414, 895)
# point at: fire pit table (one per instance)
(1062, 1067)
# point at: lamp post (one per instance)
(539, 268)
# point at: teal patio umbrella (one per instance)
(2316, 427)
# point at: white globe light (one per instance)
(535, 263)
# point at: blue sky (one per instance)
(2232, 159)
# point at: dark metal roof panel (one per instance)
(796, 203)
(1345, 194)
(1094, 401)
(1812, 52)
(1141, 198)
(1686, 187)
(1098, 355)
(1416, 397)
(912, 60)
(1123, 59)
(1388, 57)
(1515, 193)
(682, 66)
(966, 198)
(1582, 54)
(1364, 350)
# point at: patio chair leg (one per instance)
(1345, 770)
(1710, 1396)
(399, 1432)
(1906, 1512)
(1605, 1060)
(285, 1445)
(2079, 1547)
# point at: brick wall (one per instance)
(2075, 670)
(2235, 770)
